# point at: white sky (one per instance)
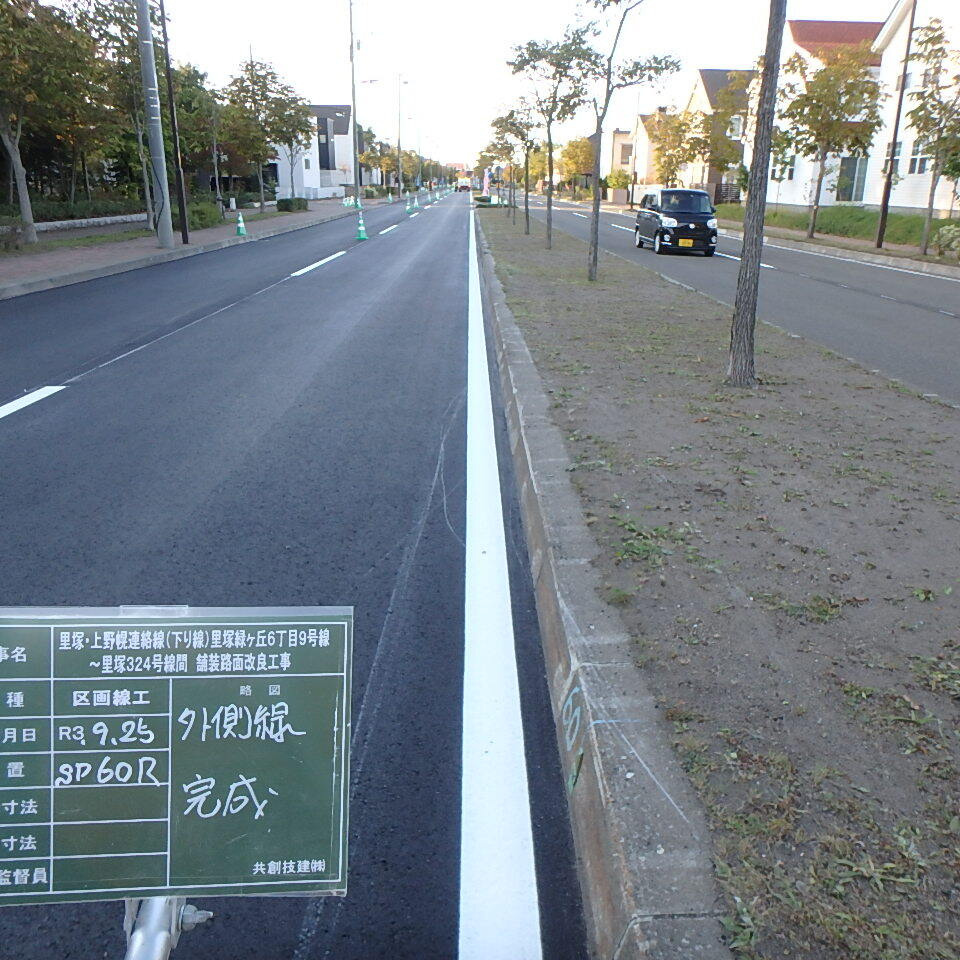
(455, 63)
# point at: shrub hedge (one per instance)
(856, 222)
(291, 204)
(199, 215)
(46, 210)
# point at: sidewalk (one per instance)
(44, 269)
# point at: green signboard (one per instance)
(173, 751)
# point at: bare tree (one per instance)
(609, 76)
(557, 71)
(741, 369)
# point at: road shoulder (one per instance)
(640, 834)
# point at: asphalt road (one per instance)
(232, 434)
(901, 322)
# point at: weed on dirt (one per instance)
(786, 560)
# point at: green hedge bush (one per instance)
(291, 204)
(199, 215)
(855, 222)
(46, 210)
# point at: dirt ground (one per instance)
(786, 562)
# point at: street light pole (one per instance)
(151, 97)
(353, 114)
(399, 153)
(174, 131)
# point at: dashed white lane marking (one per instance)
(574, 212)
(412, 215)
(388, 229)
(319, 263)
(883, 296)
(947, 313)
(620, 226)
(14, 405)
(499, 909)
(730, 256)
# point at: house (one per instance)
(911, 181)
(722, 92)
(325, 167)
(643, 155)
(621, 151)
(793, 180)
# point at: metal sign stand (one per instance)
(153, 925)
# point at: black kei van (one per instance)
(677, 220)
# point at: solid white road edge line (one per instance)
(14, 405)
(319, 263)
(388, 229)
(499, 908)
(862, 263)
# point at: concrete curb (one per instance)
(19, 288)
(642, 843)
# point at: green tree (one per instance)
(577, 158)
(936, 116)
(607, 75)
(677, 141)
(293, 126)
(258, 92)
(831, 110)
(42, 56)
(618, 180)
(516, 128)
(556, 71)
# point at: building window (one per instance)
(735, 130)
(901, 79)
(786, 170)
(626, 152)
(851, 179)
(306, 163)
(896, 156)
(919, 158)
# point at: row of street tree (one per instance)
(820, 111)
(72, 121)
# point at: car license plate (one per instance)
(685, 243)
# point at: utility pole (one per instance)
(154, 123)
(174, 131)
(353, 114)
(399, 152)
(888, 177)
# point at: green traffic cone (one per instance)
(409, 204)
(241, 228)
(416, 201)
(361, 229)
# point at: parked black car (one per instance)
(677, 220)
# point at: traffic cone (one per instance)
(361, 229)
(389, 196)
(241, 228)
(409, 204)
(416, 201)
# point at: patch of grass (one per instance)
(818, 609)
(937, 674)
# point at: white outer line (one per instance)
(319, 263)
(14, 405)
(862, 263)
(499, 909)
(388, 229)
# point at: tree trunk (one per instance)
(263, 202)
(73, 176)
(549, 184)
(931, 199)
(216, 174)
(815, 207)
(147, 195)
(526, 190)
(86, 173)
(741, 365)
(594, 251)
(11, 142)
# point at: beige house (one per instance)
(713, 91)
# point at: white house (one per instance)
(911, 183)
(793, 183)
(325, 167)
